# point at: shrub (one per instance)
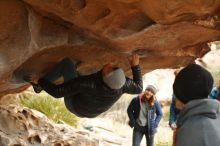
(53, 108)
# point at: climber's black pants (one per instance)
(64, 68)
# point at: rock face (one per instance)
(35, 34)
(24, 127)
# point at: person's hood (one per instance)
(206, 107)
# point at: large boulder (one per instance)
(25, 127)
(35, 34)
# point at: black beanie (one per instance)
(192, 82)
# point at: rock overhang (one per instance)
(35, 34)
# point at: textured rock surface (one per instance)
(35, 34)
(24, 127)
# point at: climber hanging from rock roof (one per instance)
(89, 95)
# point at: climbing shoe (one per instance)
(37, 88)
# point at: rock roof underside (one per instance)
(35, 34)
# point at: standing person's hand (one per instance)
(173, 126)
(134, 60)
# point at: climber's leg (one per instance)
(65, 68)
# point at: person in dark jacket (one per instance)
(89, 95)
(174, 112)
(215, 93)
(144, 113)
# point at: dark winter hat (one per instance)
(192, 82)
(152, 89)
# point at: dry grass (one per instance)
(53, 108)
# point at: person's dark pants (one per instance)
(138, 134)
(64, 68)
